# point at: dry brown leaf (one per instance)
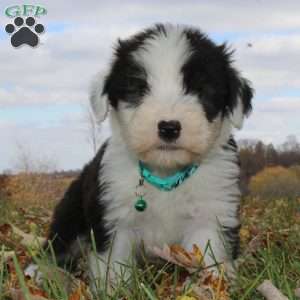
(17, 294)
(37, 292)
(81, 293)
(7, 254)
(186, 298)
(76, 295)
(28, 240)
(208, 285)
(213, 286)
(179, 256)
(297, 292)
(5, 229)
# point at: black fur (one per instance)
(231, 234)
(79, 212)
(232, 238)
(127, 80)
(231, 145)
(207, 74)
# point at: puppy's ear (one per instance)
(240, 94)
(98, 99)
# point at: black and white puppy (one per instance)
(173, 98)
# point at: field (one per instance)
(270, 236)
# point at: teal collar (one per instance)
(167, 183)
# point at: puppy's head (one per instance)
(170, 91)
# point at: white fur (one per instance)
(162, 58)
(237, 116)
(98, 101)
(190, 214)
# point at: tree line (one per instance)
(256, 155)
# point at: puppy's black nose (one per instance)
(169, 131)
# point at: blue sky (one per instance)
(44, 90)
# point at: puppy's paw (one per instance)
(230, 270)
(34, 273)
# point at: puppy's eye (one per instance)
(136, 82)
(135, 86)
(130, 105)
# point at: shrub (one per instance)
(296, 170)
(35, 188)
(275, 182)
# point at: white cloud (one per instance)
(272, 62)
(66, 143)
(290, 105)
(62, 67)
(273, 120)
(213, 15)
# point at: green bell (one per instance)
(140, 204)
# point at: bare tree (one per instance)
(28, 162)
(291, 143)
(247, 143)
(23, 159)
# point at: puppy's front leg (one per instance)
(110, 266)
(201, 237)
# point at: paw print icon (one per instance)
(24, 32)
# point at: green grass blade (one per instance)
(21, 278)
(148, 292)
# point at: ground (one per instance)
(270, 250)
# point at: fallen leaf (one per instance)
(206, 285)
(185, 298)
(177, 255)
(7, 255)
(28, 240)
(17, 294)
(76, 295)
(270, 292)
(5, 229)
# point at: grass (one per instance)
(278, 260)
(270, 238)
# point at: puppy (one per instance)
(170, 171)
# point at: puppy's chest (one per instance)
(165, 214)
(208, 195)
(168, 213)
